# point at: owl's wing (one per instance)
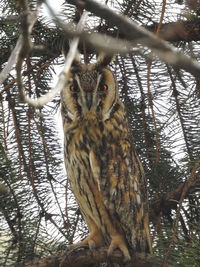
(120, 178)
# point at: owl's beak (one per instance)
(88, 100)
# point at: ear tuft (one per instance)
(104, 60)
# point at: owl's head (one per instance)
(92, 90)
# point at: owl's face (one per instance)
(92, 90)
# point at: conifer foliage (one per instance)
(158, 74)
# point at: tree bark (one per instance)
(178, 31)
(83, 256)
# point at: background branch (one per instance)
(139, 35)
(171, 200)
(62, 77)
(15, 53)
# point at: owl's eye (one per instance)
(74, 87)
(103, 87)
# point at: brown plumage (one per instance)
(105, 173)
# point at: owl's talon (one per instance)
(118, 242)
(86, 242)
(93, 240)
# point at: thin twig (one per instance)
(175, 94)
(150, 99)
(4, 124)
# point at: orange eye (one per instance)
(74, 87)
(105, 87)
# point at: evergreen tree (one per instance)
(161, 92)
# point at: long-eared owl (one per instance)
(105, 173)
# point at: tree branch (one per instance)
(62, 78)
(170, 201)
(186, 31)
(139, 35)
(172, 32)
(129, 31)
(15, 53)
(100, 42)
(83, 256)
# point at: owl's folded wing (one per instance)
(119, 176)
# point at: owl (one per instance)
(105, 173)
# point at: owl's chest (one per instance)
(90, 135)
(81, 139)
(78, 144)
(104, 140)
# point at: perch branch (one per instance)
(84, 257)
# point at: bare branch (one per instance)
(15, 53)
(139, 35)
(100, 42)
(62, 77)
(11, 61)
